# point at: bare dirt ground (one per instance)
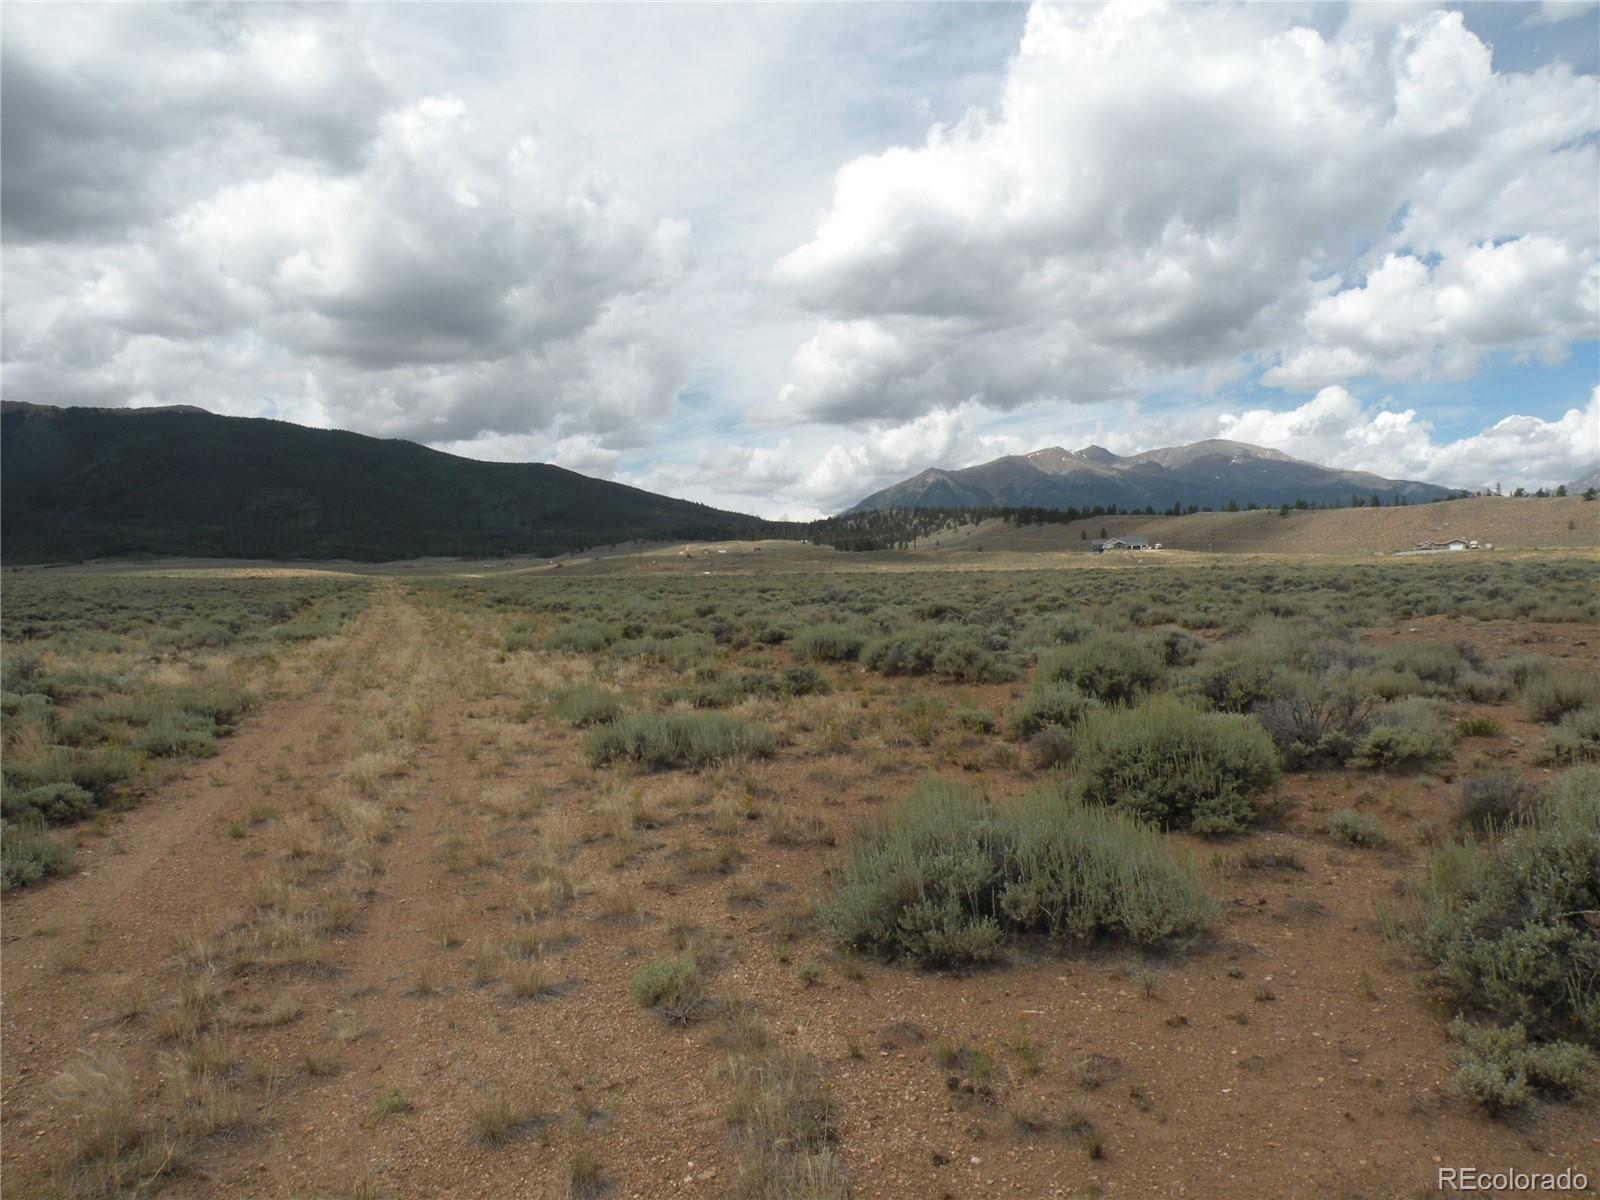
(1290, 1055)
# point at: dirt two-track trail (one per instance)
(311, 954)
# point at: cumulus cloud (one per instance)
(1173, 188)
(112, 116)
(1335, 429)
(463, 276)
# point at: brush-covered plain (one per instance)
(810, 885)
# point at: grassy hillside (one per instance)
(1511, 524)
(89, 483)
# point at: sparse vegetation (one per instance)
(458, 756)
(779, 1109)
(1506, 927)
(1355, 829)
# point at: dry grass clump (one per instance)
(366, 773)
(532, 979)
(113, 1147)
(674, 988)
(780, 1110)
(496, 1119)
(585, 1176)
(785, 827)
(194, 1010)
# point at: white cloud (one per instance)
(1554, 12)
(543, 303)
(1176, 187)
(1335, 429)
(1536, 294)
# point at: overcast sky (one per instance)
(774, 258)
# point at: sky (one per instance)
(775, 257)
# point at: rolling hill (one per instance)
(98, 483)
(1207, 474)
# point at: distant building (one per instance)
(1435, 544)
(1100, 547)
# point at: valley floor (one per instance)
(306, 951)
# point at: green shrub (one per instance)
(1048, 704)
(974, 720)
(1355, 829)
(29, 854)
(802, 681)
(222, 706)
(1437, 666)
(677, 740)
(20, 668)
(1559, 691)
(1575, 739)
(1500, 1070)
(98, 770)
(1176, 767)
(1521, 669)
(827, 643)
(1489, 803)
(52, 804)
(1051, 747)
(1113, 668)
(679, 651)
(948, 876)
(1236, 678)
(1316, 720)
(964, 661)
(1504, 926)
(1482, 687)
(1179, 647)
(936, 650)
(584, 704)
(1405, 733)
(178, 735)
(1055, 630)
(1393, 685)
(583, 637)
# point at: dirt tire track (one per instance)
(170, 868)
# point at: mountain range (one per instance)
(1207, 474)
(80, 483)
(113, 482)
